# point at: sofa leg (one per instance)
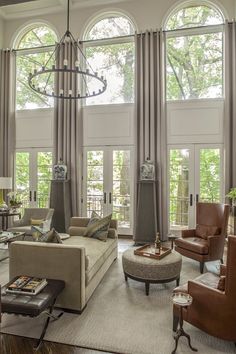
(201, 267)
(221, 261)
(175, 322)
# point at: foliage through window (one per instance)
(194, 55)
(113, 58)
(27, 61)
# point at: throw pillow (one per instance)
(51, 236)
(36, 222)
(98, 227)
(221, 283)
(204, 231)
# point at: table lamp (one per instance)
(5, 183)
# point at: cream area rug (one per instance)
(120, 318)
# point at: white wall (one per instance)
(148, 14)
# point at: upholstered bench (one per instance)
(33, 305)
(149, 270)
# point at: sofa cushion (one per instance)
(96, 252)
(204, 231)
(98, 227)
(194, 244)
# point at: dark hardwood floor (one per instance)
(20, 345)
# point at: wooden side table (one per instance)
(182, 300)
(5, 215)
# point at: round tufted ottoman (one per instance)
(149, 270)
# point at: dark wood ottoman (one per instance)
(33, 305)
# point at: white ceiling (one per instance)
(41, 7)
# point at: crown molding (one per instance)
(39, 8)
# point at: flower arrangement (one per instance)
(14, 200)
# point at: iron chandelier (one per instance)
(79, 71)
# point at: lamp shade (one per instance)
(5, 183)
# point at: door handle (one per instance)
(35, 195)
(30, 196)
(191, 199)
(197, 197)
(104, 198)
(110, 197)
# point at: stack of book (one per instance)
(26, 285)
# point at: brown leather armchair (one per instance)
(213, 310)
(206, 242)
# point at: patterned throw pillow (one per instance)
(51, 236)
(204, 231)
(98, 227)
(221, 283)
(36, 222)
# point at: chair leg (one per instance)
(175, 322)
(201, 267)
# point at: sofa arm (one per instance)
(52, 261)
(79, 221)
(76, 231)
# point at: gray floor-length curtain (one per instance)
(150, 115)
(7, 112)
(230, 106)
(68, 129)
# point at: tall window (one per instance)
(31, 56)
(110, 51)
(194, 50)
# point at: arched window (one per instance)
(194, 50)
(109, 48)
(33, 52)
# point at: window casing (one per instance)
(34, 50)
(109, 48)
(194, 55)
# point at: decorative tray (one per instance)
(149, 252)
(182, 299)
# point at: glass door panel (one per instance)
(121, 190)
(44, 175)
(22, 177)
(33, 172)
(179, 189)
(210, 175)
(95, 183)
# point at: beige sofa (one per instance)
(80, 261)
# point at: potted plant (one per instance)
(232, 195)
(14, 200)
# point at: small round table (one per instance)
(149, 270)
(172, 238)
(182, 300)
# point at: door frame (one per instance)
(33, 180)
(194, 175)
(108, 178)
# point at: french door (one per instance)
(108, 184)
(33, 172)
(195, 174)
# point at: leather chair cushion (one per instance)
(208, 279)
(204, 231)
(194, 244)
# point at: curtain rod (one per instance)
(121, 37)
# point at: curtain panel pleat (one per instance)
(230, 106)
(67, 140)
(7, 112)
(150, 122)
